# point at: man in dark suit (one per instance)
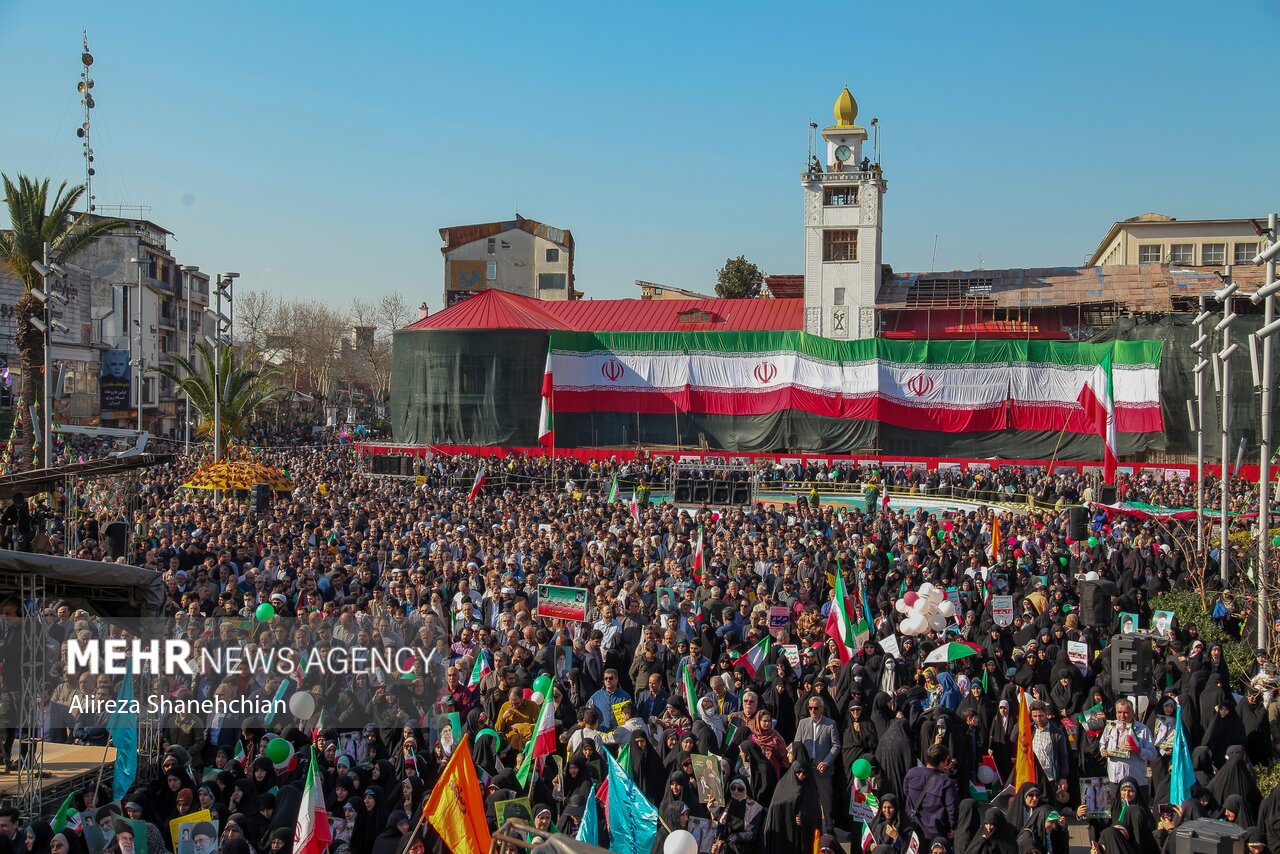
(821, 739)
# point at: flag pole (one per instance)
(103, 765)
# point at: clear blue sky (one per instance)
(317, 147)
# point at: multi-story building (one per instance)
(1154, 238)
(652, 290)
(520, 256)
(143, 308)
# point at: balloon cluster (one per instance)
(926, 610)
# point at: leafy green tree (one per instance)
(36, 218)
(739, 279)
(243, 389)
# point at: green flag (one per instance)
(63, 814)
(613, 490)
(690, 691)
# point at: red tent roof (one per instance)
(494, 309)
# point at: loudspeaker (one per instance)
(260, 497)
(1095, 605)
(720, 493)
(1107, 494)
(1131, 664)
(741, 493)
(116, 538)
(701, 492)
(1206, 836)
(385, 464)
(684, 491)
(406, 466)
(1077, 523)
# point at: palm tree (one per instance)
(243, 389)
(35, 219)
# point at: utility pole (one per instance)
(221, 339)
(1265, 295)
(187, 270)
(45, 325)
(1224, 359)
(1197, 421)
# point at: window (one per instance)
(552, 281)
(839, 196)
(1152, 253)
(838, 297)
(492, 245)
(1245, 252)
(491, 270)
(840, 245)
(1182, 253)
(553, 256)
(1213, 253)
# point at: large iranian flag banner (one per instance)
(947, 386)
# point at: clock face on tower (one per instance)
(843, 152)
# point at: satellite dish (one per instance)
(86, 58)
(92, 171)
(80, 132)
(81, 87)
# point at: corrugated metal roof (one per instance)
(494, 309)
(460, 235)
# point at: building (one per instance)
(1154, 238)
(143, 309)
(652, 290)
(843, 210)
(520, 256)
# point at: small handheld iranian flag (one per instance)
(840, 624)
(481, 669)
(753, 659)
(311, 831)
(541, 743)
(633, 507)
(868, 841)
(1099, 404)
(546, 427)
(698, 559)
(690, 690)
(613, 490)
(476, 484)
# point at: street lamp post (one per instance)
(1198, 420)
(1224, 360)
(1265, 295)
(45, 325)
(137, 320)
(187, 270)
(222, 328)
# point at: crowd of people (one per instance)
(883, 742)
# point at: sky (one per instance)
(317, 148)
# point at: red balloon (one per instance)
(947, 525)
(910, 597)
(1070, 541)
(1017, 552)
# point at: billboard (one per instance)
(114, 381)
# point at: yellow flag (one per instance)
(456, 806)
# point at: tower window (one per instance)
(1182, 253)
(1245, 252)
(492, 245)
(840, 245)
(491, 270)
(1213, 253)
(837, 296)
(839, 196)
(553, 256)
(1152, 253)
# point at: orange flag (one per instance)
(817, 842)
(1025, 768)
(456, 806)
(996, 539)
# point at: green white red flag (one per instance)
(753, 659)
(690, 690)
(311, 831)
(1098, 399)
(477, 484)
(840, 625)
(698, 558)
(546, 424)
(541, 743)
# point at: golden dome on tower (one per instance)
(846, 109)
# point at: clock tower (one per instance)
(842, 231)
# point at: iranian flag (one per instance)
(1098, 399)
(476, 484)
(633, 507)
(868, 841)
(541, 743)
(753, 659)
(546, 425)
(690, 690)
(699, 559)
(311, 831)
(480, 670)
(840, 625)
(613, 490)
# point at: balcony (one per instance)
(850, 176)
(160, 285)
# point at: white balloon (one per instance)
(923, 589)
(912, 540)
(938, 622)
(1091, 575)
(302, 705)
(920, 606)
(680, 841)
(916, 624)
(936, 595)
(947, 608)
(901, 606)
(537, 697)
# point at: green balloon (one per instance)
(497, 738)
(542, 685)
(1275, 541)
(861, 768)
(1066, 609)
(277, 750)
(265, 612)
(1063, 560)
(1093, 542)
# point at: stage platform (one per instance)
(65, 765)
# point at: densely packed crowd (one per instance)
(806, 741)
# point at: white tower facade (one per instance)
(843, 209)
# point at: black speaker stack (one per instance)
(1131, 664)
(1077, 523)
(698, 490)
(393, 464)
(260, 497)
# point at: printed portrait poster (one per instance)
(517, 808)
(1128, 622)
(1096, 797)
(1162, 623)
(187, 823)
(114, 381)
(1078, 653)
(706, 770)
